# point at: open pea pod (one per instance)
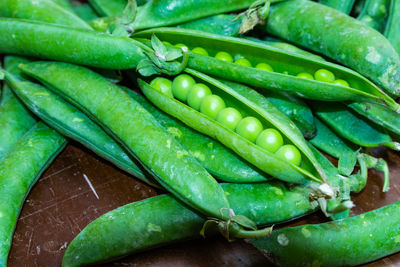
(248, 103)
(286, 67)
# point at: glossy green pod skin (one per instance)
(217, 159)
(334, 34)
(393, 25)
(71, 122)
(281, 61)
(223, 24)
(161, 220)
(375, 13)
(78, 46)
(137, 131)
(353, 127)
(84, 11)
(19, 170)
(248, 102)
(64, 4)
(108, 8)
(344, 6)
(348, 242)
(41, 10)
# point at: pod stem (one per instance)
(393, 145)
(366, 162)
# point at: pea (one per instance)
(264, 66)
(342, 83)
(180, 45)
(212, 105)
(181, 86)
(324, 75)
(243, 62)
(229, 117)
(224, 56)
(289, 153)
(305, 75)
(162, 85)
(249, 128)
(196, 95)
(270, 139)
(200, 51)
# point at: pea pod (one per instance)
(375, 13)
(84, 11)
(223, 24)
(64, 4)
(393, 25)
(41, 10)
(282, 62)
(108, 8)
(161, 220)
(36, 149)
(334, 34)
(218, 160)
(344, 6)
(348, 242)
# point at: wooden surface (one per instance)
(61, 204)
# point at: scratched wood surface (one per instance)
(61, 204)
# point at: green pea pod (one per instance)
(393, 25)
(78, 46)
(218, 160)
(352, 127)
(108, 8)
(344, 6)
(41, 10)
(375, 13)
(348, 242)
(223, 24)
(36, 149)
(286, 66)
(84, 11)
(64, 4)
(161, 220)
(334, 34)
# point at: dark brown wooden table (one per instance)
(61, 204)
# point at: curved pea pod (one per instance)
(392, 28)
(19, 170)
(78, 46)
(286, 66)
(348, 242)
(334, 34)
(375, 13)
(70, 122)
(352, 127)
(217, 159)
(41, 10)
(344, 6)
(223, 24)
(161, 220)
(249, 103)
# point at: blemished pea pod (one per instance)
(353, 127)
(79, 46)
(348, 242)
(41, 10)
(223, 24)
(344, 6)
(286, 67)
(393, 25)
(217, 159)
(19, 170)
(161, 220)
(84, 11)
(311, 25)
(144, 138)
(249, 103)
(375, 14)
(70, 122)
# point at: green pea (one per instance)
(212, 105)
(200, 51)
(229, 117)
(305, 75)
(270, 139)
(196, 95)
(249, 128)
(181, 86)
(224, 56)
(342, 83)
(162, 85)
(180, 45)
(289, 153)
(244, 62)
(324, 75)
(264, 66)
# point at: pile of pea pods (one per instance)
(230, 106)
